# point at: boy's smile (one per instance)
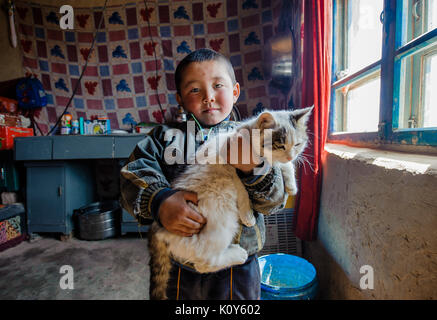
(207, 91)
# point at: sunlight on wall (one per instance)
(411, 166)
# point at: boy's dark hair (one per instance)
(201, 55)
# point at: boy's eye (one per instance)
(194, 90)
(218, 85)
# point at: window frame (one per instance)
(389, 66)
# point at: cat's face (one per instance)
(287, 137)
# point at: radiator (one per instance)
(280, 237)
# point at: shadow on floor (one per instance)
(106, 269)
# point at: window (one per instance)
(420, 17)
(363, 32)
(384, 86)
(359, 45)
(430, 96)
(417, 69)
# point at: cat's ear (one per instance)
(265, 121)
(301, 116)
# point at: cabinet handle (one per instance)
(60, 191)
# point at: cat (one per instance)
(223, 199)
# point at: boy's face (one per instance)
(207, 91)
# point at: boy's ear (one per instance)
(236, 92)
(179, 99)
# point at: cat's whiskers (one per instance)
(309, 142)
(301, 159)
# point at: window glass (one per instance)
(358, 65)
(418, 17)
(362, 111)
(364, 33)
(357, 106)
(430, 92)
(417, 91)
(358, 37)
(432, 14)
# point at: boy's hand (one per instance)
(178, 217)
(248, 164)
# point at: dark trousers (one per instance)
(240, 282)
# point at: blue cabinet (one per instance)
(54, 189)
(60, 176)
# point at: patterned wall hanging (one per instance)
(123, 81)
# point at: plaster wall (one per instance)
(377, 209)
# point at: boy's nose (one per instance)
(209, 99)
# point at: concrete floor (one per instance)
(106, 269)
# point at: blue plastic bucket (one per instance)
(287, 277)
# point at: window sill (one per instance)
(413, 163)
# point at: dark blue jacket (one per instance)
(145, 182)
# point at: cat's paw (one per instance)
(291, 190)
(203, 268)
(239, 255)
(248, 219)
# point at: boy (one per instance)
(207, 90)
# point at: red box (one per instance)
(7, 135)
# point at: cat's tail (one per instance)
(160, 265)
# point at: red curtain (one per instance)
(316, 90)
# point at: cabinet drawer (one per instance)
(33, 148)
(123, 146)
(82, 147)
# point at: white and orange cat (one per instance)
(223, 199)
